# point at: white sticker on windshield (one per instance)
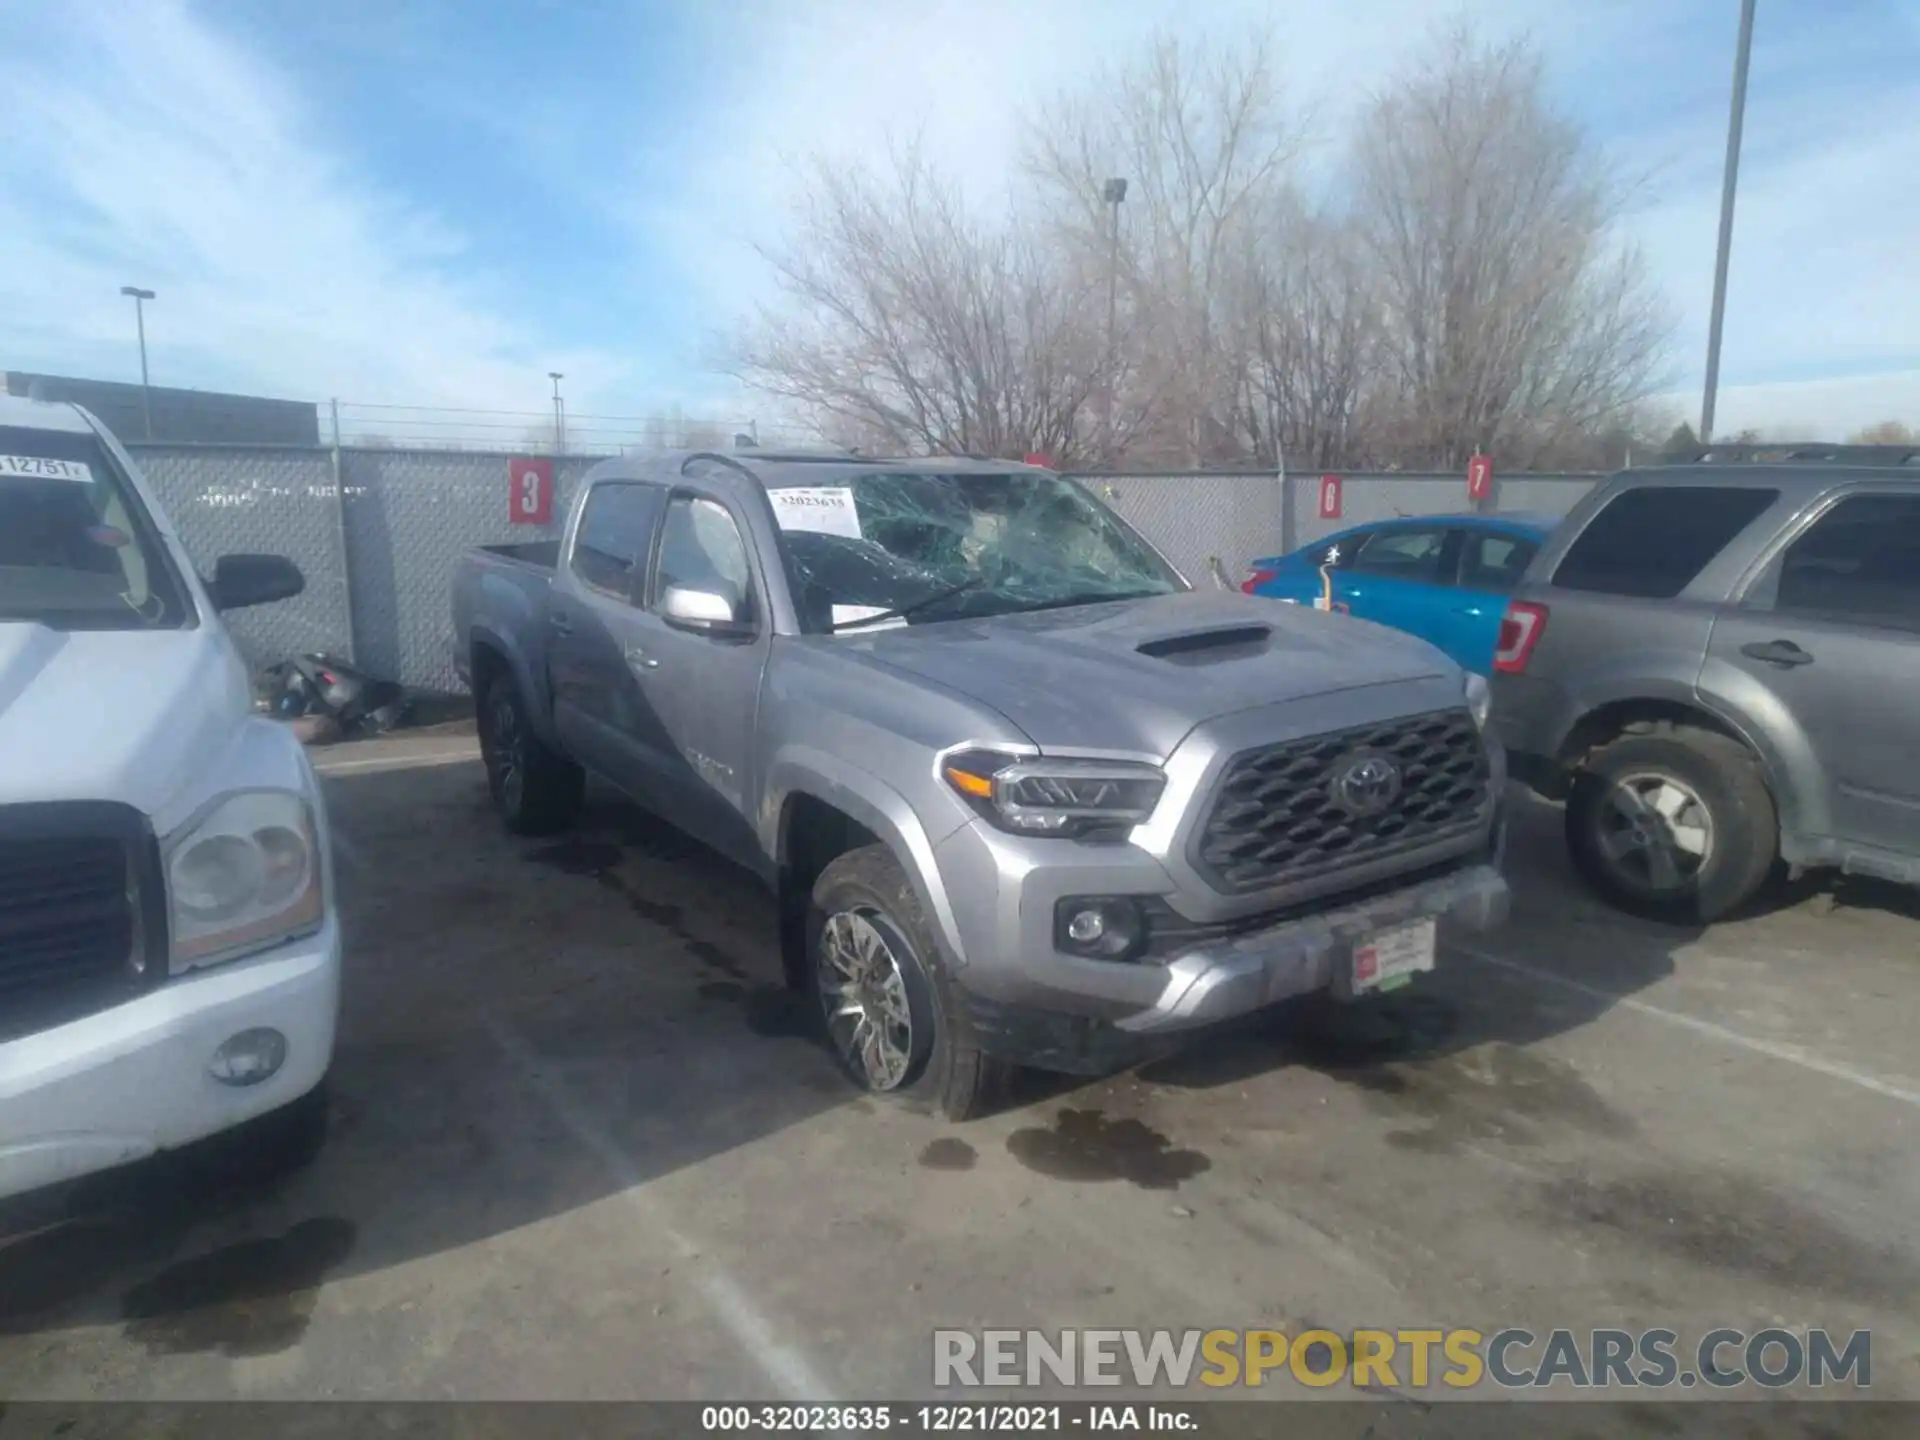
(847, 614)
(825, 508)
(37, 467)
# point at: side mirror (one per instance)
(242, 580)
(701, 611)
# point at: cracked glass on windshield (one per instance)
(872, 548)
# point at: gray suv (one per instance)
(1024, 795)
(1717, 667)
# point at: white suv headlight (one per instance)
(1479, 697)
(242, 876)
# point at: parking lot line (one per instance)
(331, 766)
(1792, 1054)
(781, 1362)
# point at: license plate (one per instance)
(1393, 957)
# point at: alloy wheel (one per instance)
(1655, 833)
(864, 995)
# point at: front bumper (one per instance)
(1231, 977)
(116, 1086)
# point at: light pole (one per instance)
(559, 422)
(140, 298)
(1112, 193)
(1734, 122)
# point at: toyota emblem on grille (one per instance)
(1367, 785)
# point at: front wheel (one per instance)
(891, 1016)
(1673, 824)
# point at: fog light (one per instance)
(1086, 926)
(1099, 927)
(249, 1058)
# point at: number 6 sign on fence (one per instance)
(529, 491)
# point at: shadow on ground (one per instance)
(528, 1027)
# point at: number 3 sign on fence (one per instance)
(529, 491)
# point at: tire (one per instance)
(1721, 835)
(536, 789)
(865, 896)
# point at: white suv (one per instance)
(169, 950)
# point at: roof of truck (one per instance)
(28, 414)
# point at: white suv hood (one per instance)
(129, 715)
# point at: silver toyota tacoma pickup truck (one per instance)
(1025, 796)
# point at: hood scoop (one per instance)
(1204, 647)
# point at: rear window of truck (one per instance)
(1651, 542)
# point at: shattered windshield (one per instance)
(872, 548)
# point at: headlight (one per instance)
(1479, 698)
(243, 876)
(1035, 795)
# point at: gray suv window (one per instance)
(616, 529)
(1652, 542)
(1859, 561)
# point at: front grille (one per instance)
(77, 885)
(1277, 818)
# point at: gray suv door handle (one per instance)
(561, 622)
(640, 660)
(1783, 653)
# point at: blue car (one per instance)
(1444, 578)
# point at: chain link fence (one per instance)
(378, 532)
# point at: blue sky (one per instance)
(435, 203)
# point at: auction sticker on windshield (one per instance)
(37, 467)
(825, 508)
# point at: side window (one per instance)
(701, 549)
(610, 546)
(1652, 542)
(1401, 554)
(1859, 561)
(1337, 554)
(1490, 560)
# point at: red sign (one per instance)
(1038, 459)
(529, 491)
(1479, 478)
(1329, 497)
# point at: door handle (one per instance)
(640, 660)
(561, 623)
(1783, 653)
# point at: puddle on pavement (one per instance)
(1491, 1092)
(1737, 1224)
(714, 958)
(577, 857)
(252, 1298)
(599, 861)
(948, 1153)
(1084, 1145)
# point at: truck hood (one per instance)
(1138, 675)
(127, 715)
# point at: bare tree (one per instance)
(1311, 373)
(1886, 432)
(1199, 133)
(1513, 318)
(914, 325)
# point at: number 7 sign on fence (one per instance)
(529, 491)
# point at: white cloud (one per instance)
(144, 148)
